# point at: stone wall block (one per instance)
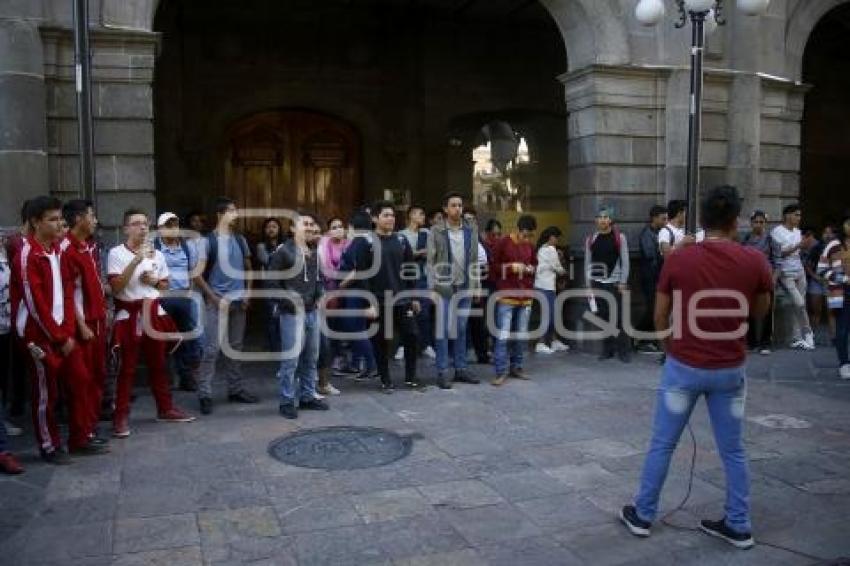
(20, 47)
(134, 173)
(123, 101)
(130, 137)
(22, 113)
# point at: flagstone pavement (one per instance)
(530, 473)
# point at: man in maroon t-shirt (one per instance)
(704, 296)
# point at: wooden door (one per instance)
(293, 160)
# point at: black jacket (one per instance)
(305, 281)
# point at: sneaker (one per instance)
(647, 348)
(799, 345)
(463, 376)
(121, 429)
(413, 383)
(206, 405)
(288, 411)
(387, 388)
(518, 373)
(10, 465)
(542, 348)
(844, 371)
(91, 448)
(243, 397)
(499, 381)
(399, 354)
(328, 390)
(558, 346)
(12, 430)
(636, 526)
(765, 351)
(809, 339)
(346, 372)
(430, 353)
(443, 383)
(313, 405)
(57, 458)
(720, 530)
(175, 415)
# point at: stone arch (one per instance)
(593, 31)
(801, 22)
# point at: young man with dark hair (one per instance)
(452, 267)
(384, 286)
(46, 323)
(224, 259)
(706, 357)
(650, 268)
(137, 273)
(787, 243)
(672, 236)
(83, 256)
(299, 322)
(181, 257)
(417, 237)
(514, 263)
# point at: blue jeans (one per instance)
(510, 320)
(297, 366)
(455, 322)
(185, 313)
(4, 439)
(842, 330)
(550, 306)
(725, 392)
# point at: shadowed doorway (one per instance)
(297, 160)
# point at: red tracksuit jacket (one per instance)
(507, 251)
(83, 264)
(42, 295)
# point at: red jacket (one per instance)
(509, 250)
(35, 316)
(83, 264)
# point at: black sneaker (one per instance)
(413, 383)
(629, 517)
(90, 449)
(463, 376)
(387, 388)
(243, 397)
(288, 411)
(719, 529)
(57, 458)
(313, 405)
(206, 405)
(443, 383)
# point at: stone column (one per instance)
(616, 145)
(23, 157)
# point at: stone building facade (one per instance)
(602, 99)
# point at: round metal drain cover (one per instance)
(341, 448)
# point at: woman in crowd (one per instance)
(834, 267)
(331, 248)
(549, 268)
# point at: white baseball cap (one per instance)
(165, 218)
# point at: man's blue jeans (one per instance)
(725, 392)
(455, 316)
(510, 320)
(297, 375)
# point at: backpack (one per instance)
(157, 244)
(212, 251)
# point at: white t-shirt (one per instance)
(677, 233)
(120, 257)
(784, 239)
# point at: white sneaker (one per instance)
(809, 339)
(558, 346)
(399, 354)
(765, 351)
(333, 390)
(542, 348)
(801, 345)
(844, 371)
(12, 430)
(430, 353)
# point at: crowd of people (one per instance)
(336, 298)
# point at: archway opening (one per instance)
(398, 74)
(825, 166)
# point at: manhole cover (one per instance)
(341, 448)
